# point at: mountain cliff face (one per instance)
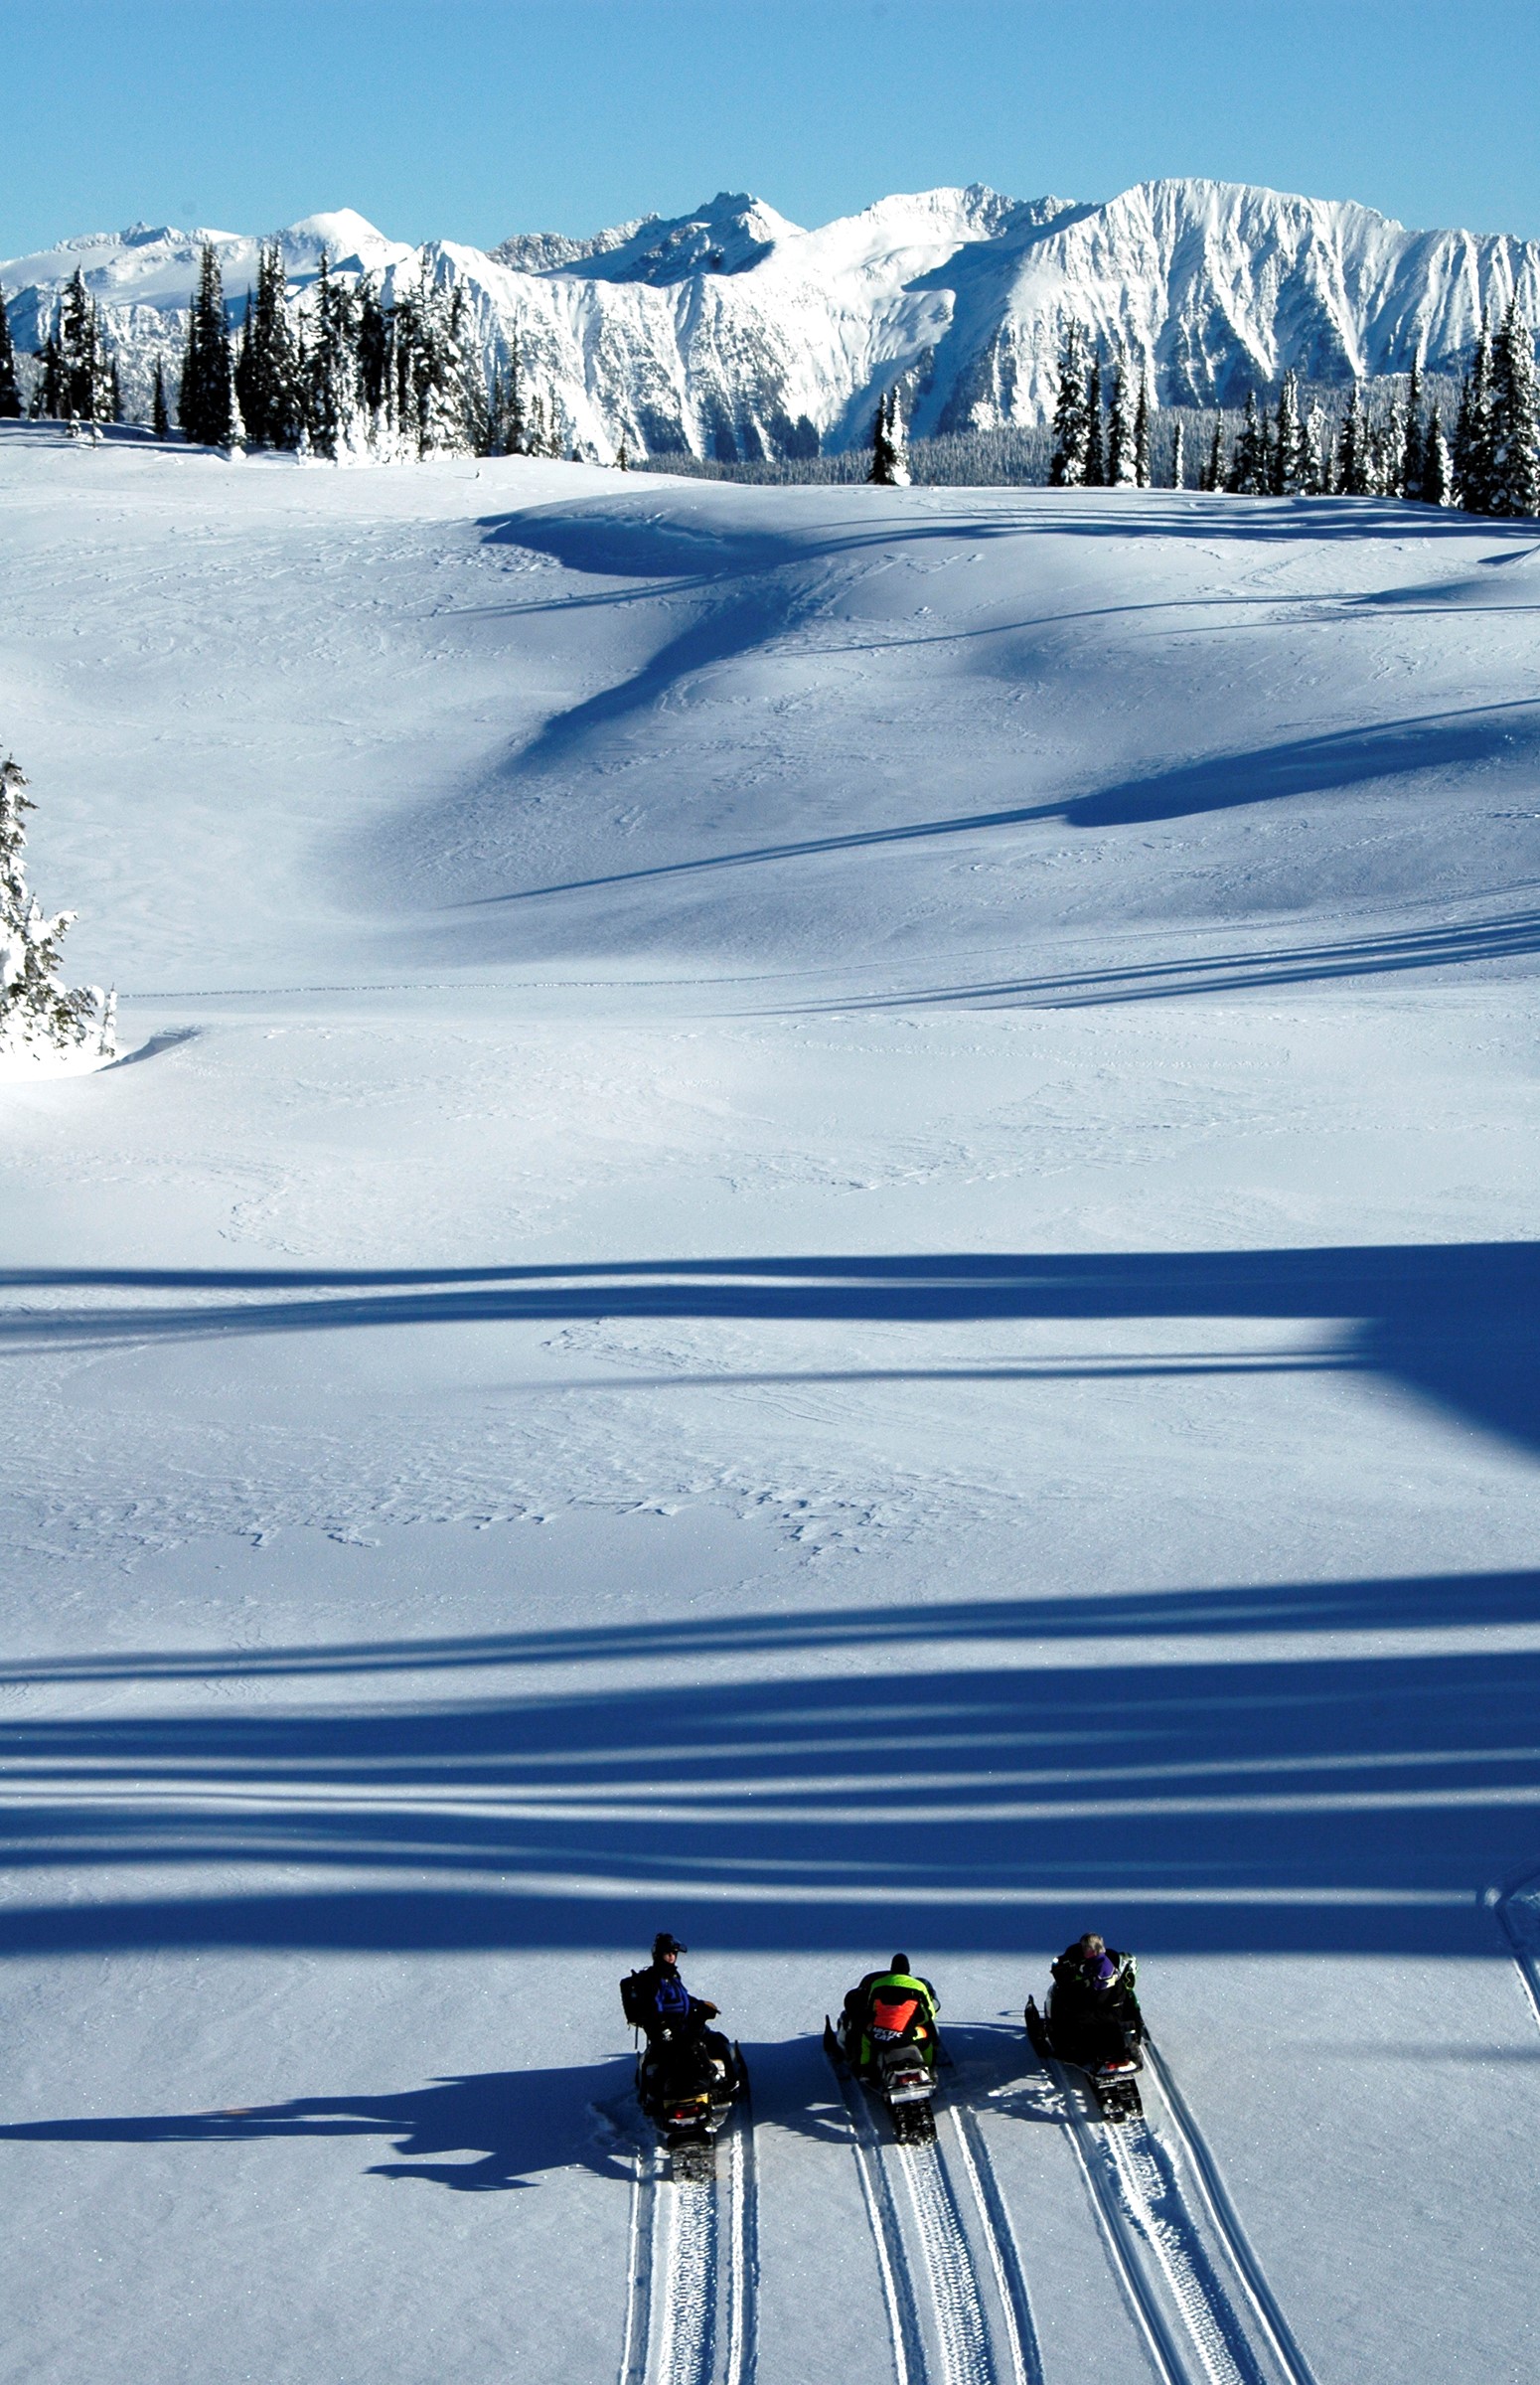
(735, 332)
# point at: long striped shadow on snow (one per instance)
(1339, 1767)
(1456, 1324)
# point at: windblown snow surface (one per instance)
(817, 1230)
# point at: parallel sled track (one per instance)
(691, 2306)
(1196, 2289)
(957, 2303)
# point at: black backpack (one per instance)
(638, 1992)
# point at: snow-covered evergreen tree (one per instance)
(160, 416)
(1215, 473)
(1413, 438)
(1142, 411)
(269, 386)
(41, 1018)
(48, 391)
(889, 459)
(205, 402)
(1291, 461)
(1096, 437)
(1178, 458)
(1119, 424)
(334, 412)
(1437, 467)
(1514, 486)
(84, 368)
(1315, 451)
(441, 389)
(1251, 472)
(1387, 445)
(1472, 454)
(1352, 451)
(1071, 416)
(10, 390)
(898, 432)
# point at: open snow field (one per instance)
(816, 1229)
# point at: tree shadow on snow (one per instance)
(1456, 1324)
(1309, 1768)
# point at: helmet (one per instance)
(663, 1944)
(899, 1963)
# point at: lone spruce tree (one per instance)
(206, 403)
(10, 391)
(1071, 414)
(889, 464)
(41, 1018)
(1122, 464)
(1413, 439)
(1515, 447)
(1251, 472)
(1143, 411)
(267, 380)
(1096, 443)
(86, 369)
(1472, 457)
(1353, 476)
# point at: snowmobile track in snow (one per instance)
(1196, 2289)
(947, 2327)
(691, 2304)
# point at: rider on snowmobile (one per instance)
(889, 2005)
(1094, 2001)
(658, 2001)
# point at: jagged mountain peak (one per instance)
(731, 331)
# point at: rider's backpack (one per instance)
(648, 1997)
(638, 1997)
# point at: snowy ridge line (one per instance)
(692, 2297)
(1187, 2285)
(1227, 2224)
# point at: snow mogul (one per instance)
(687, 2075)
(1093, 2022)
(887, 2038)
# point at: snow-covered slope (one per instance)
(820, 1231)
(736, 333)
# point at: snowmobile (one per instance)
(1104, 2038)
(899, 2068)
(686, 2088)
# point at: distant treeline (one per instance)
(348, 375)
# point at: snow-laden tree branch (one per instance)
(42, 1019)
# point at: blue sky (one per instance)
(472, 121)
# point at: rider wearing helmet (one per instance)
(658, 2001)
(1095, 2009)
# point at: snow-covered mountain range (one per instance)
(735, 332)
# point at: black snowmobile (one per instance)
(887, 2040)
(687, 2082)
(1095, 2030)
